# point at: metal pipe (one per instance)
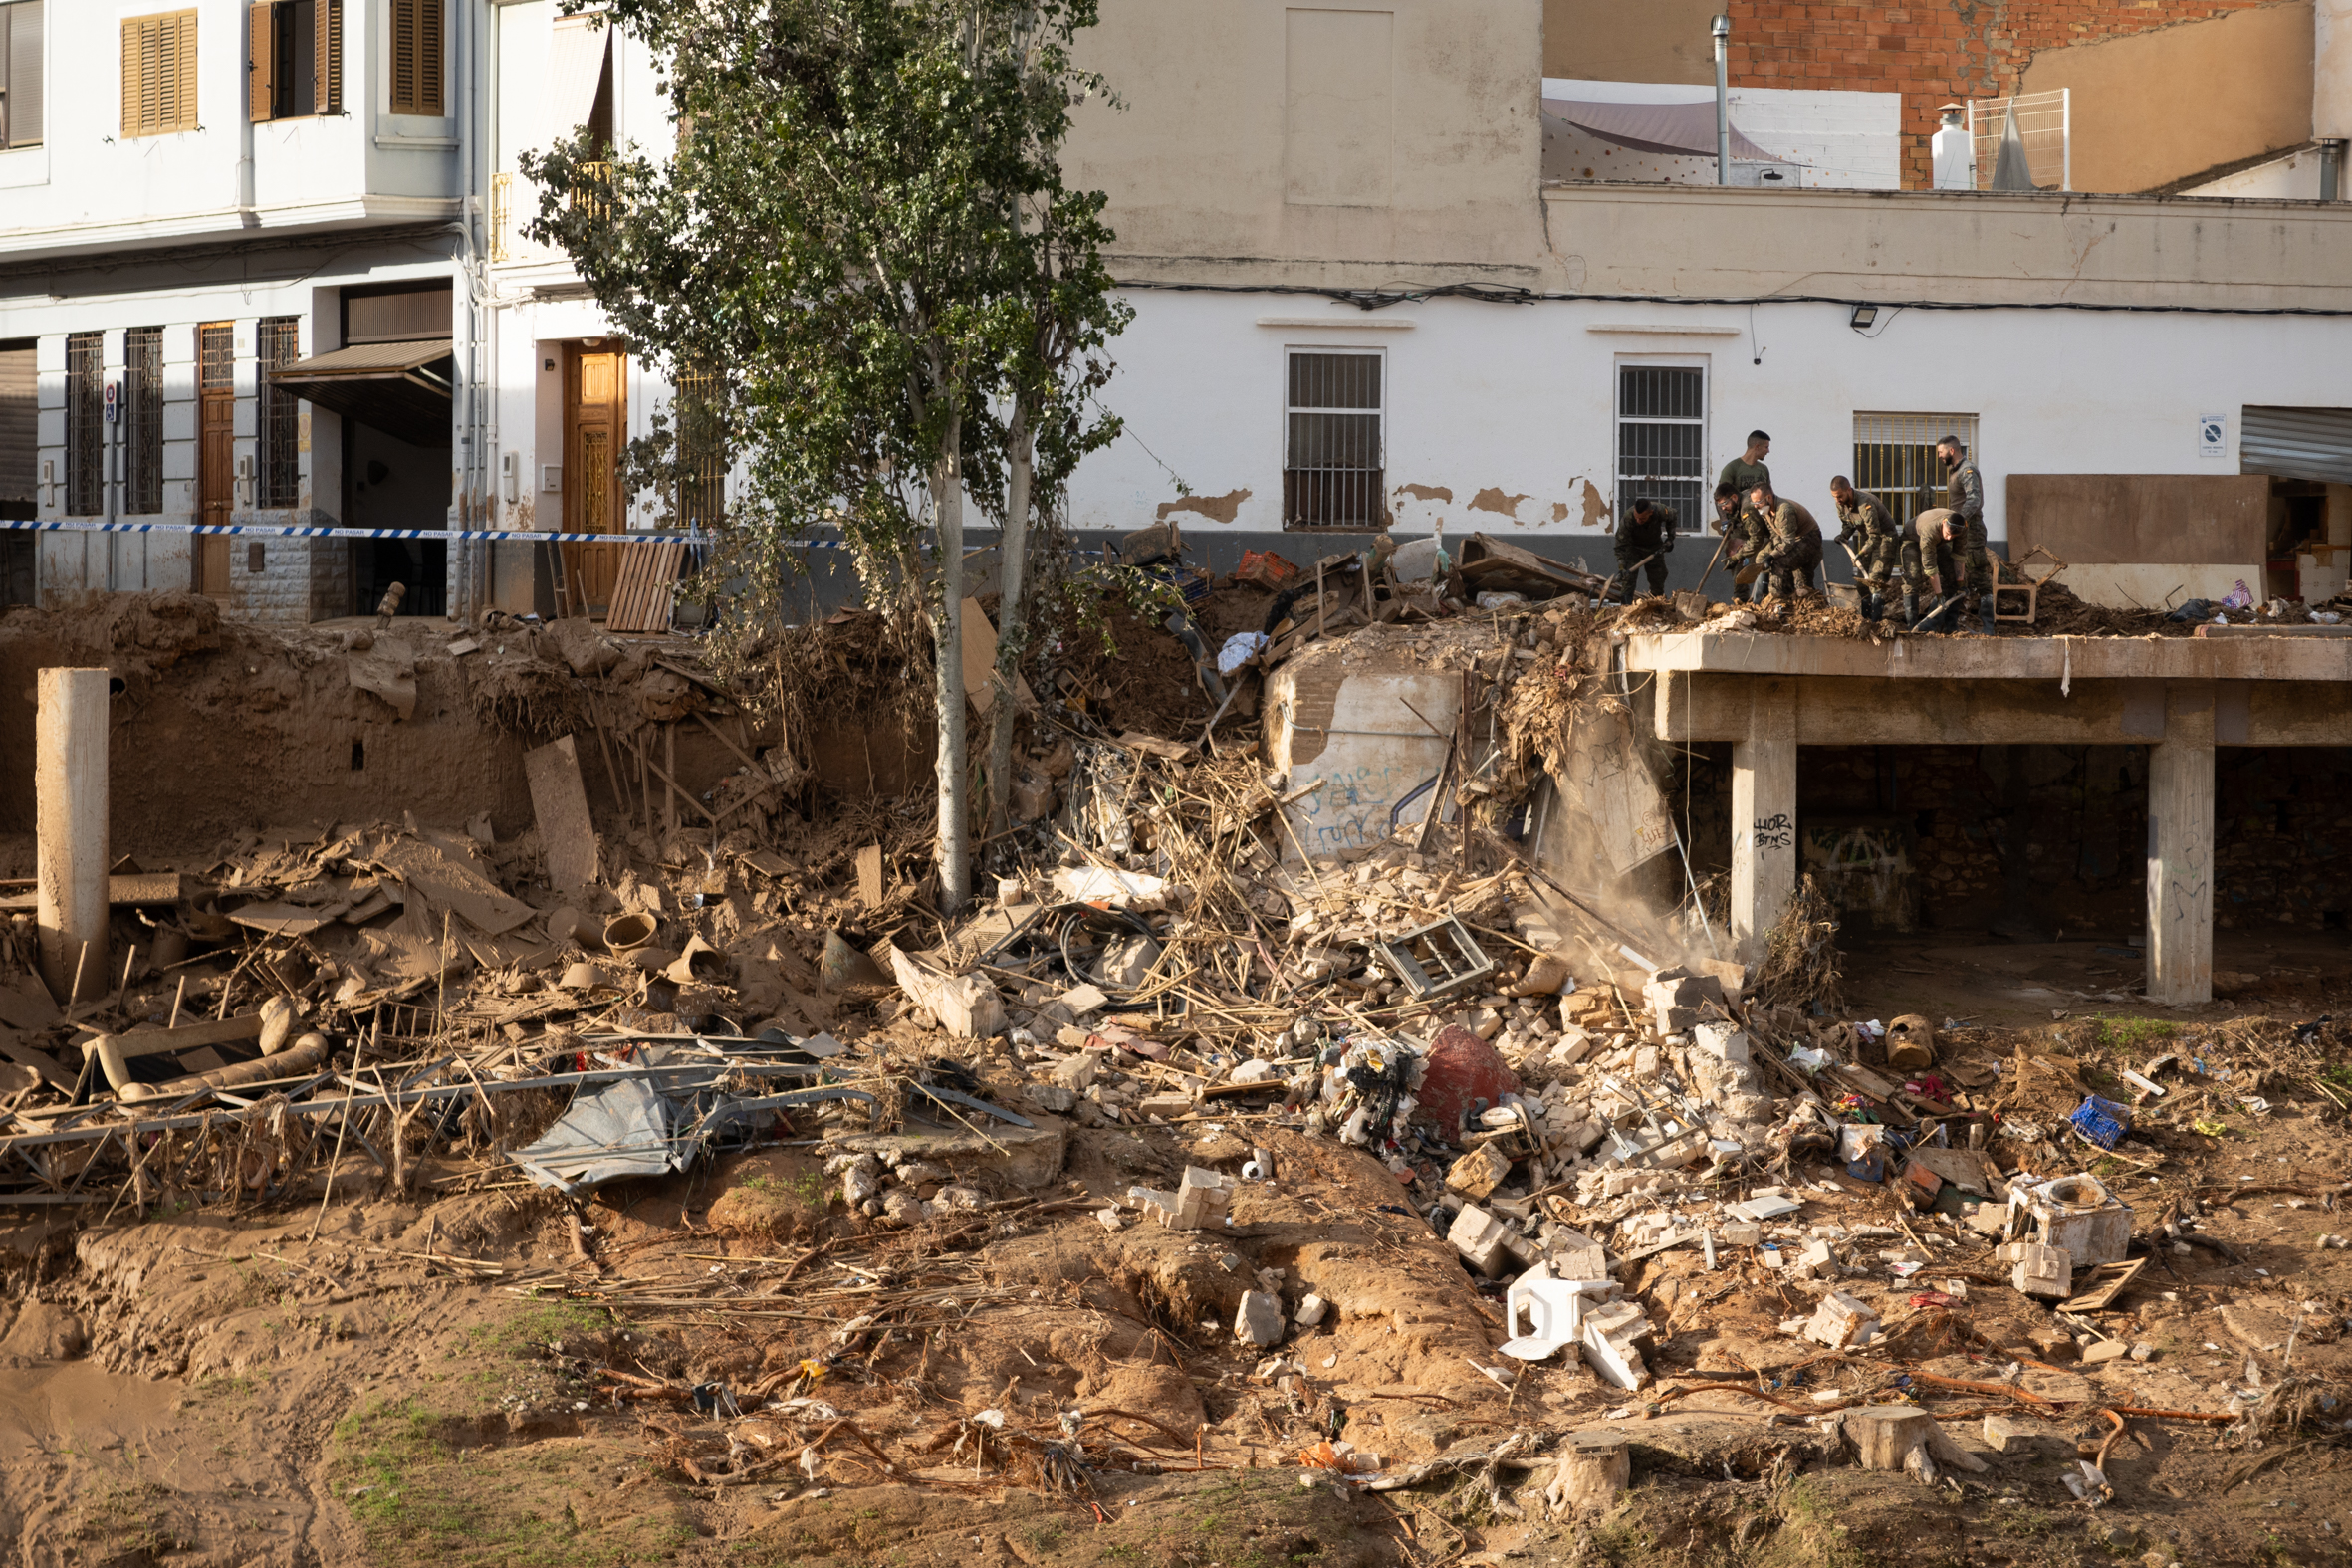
(1722, 29)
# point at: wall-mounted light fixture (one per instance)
(1863, 317)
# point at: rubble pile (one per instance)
(1192, 1148)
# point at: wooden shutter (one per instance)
(159, 74)
(429, 70)
(23, 52)
(134, 76)
(416, 57)
(182, 32)
(261, 49)
(326, 61)
(403, 57)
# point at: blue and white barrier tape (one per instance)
(282, 531)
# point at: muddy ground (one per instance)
(732, 1366)
(450, 1379)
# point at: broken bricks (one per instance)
(1200, 1203)
(2045, 1272)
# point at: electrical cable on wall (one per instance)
(1494, 293)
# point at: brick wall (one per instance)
(1934, 53)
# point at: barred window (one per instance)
(1894, 459)
(1331, 472)
(142, 420)
(281, 427)
(1662, 438)
(702, 454)
(86, 417)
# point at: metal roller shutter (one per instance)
(2296, 443)
(18, 444)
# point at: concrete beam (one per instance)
(1764, 816)
(2053, 659)
(1862, 711)
(69, 831)
(2181, 850)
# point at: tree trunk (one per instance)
(947, 637)
(1012, 618)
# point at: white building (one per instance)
(1393, 267)
(254, 276)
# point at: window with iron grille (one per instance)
(86, 417)
(280, 483)
(1662, 439)
(142, 420)
(1331, 470)
(1894, 459)
(702, 454)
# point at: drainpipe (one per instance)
(1722, 29)
(461, 605)
(2331, 170)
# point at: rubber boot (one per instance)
(1910, 607)
(1984, 608)
(1873, 606)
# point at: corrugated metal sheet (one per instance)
(2296, 443)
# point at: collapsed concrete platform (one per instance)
(1769, 695)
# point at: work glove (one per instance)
(1669, 545)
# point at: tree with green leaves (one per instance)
(862, 256)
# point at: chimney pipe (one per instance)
(1721, 28)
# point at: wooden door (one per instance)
(216, 431)
(596, 424)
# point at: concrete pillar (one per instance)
(70, 829)
(1764, 816)
(2180, 848)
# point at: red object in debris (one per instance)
(1925, 1180)
(1265, 569)
(1462, 1070)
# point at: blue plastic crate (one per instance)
(2101, 1121)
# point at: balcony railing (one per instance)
(502, 218)
(591, 188)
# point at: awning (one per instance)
(402, 390)
(1676, 129)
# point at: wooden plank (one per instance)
(2210, 629)
(648, 579)
(869, 876)
(558, 802)
(2217, 520)
(39, 1060)
(980, 661)
(148, 887)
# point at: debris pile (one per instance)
(1206, 1138)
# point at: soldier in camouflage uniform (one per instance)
(1927, 553)
(1793, 552)
(1646, 531)
(1869, 531)
(1964, 498)
(1748, 539)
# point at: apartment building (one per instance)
(260, 265)
(236, 264)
